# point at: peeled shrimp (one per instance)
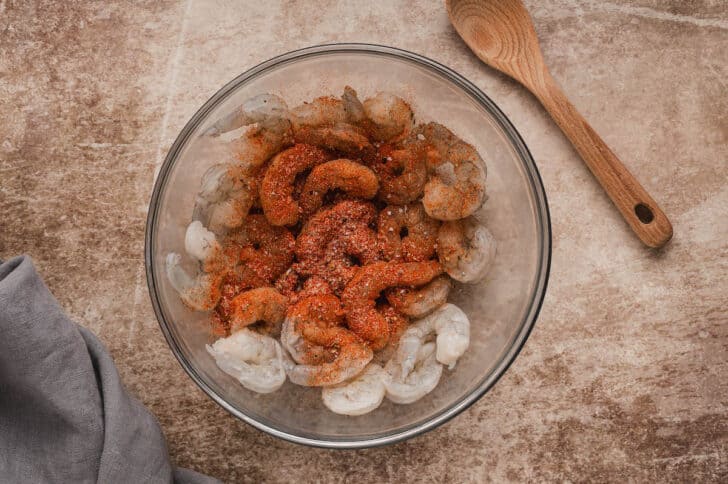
(225, 197)
(327, 353)
(413, 372)
(407, 233)
(359, 296)
(342, 137)
(200, 243)
(255, 360)
(391, 117)
(257, 109)
(276, 192)
(200, 293)
(261, 141)
(420, 302)
(456, 187)
(452, 327)
(263, 304)
(416, 366)
(322, 111)
(332, 237)
(353, 107)
(466, 249)
(265, 249)
(268, 130)
(402, 174)
(331, 123)
(346, 175)
(358, 396)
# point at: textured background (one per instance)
(626, 372)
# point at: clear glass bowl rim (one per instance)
(543, 219)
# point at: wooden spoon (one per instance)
(501, 34)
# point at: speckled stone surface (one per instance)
(625, 376)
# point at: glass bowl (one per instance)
(502, 309)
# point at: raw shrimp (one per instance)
(200, 243)
(322, 311)
(396, 321)
(332, 237)
(436, 136)
(391, 117)
(397, 324)
(358, 396)
(265, 249)
(346, 175)
(261, 141)
(263, 304)
(329, 111)
(268, 130)
(236, 279)
(276, 193)
(456, 187)
(312, 325)
(225, 197)
(290, 284)
(413, 372)
(407, 233)
(342, 137)
(466, 249)
(359, 296)
(353, 107)
(257, 109)
(417, 303)
(452, 327)
(200, 293)
(255, 360)
(322, 111)
(402, 174)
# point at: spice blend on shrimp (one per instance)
(322, 244)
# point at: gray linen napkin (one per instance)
(64, 414)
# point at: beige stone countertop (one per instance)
(625, 376)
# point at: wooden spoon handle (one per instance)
(637, 207)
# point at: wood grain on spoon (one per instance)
(501, 34)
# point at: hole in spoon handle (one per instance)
(644, 213)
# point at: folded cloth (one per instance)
(64, 414)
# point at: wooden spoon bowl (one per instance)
(501, 34)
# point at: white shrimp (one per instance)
(200, 293)
(456, 187)
(257, 109)
(342, 137)
(466, 249)
(347, 362)
(257, 361)
(327, 354)
(331, 123)
(225, 197)
(260, 141)
(355, 112)
(200, 243)
(413, 372)
(358, 396)
(322, 111)
(452, 327)
(420, 302)
(391, 116)
(268, 130)
(262, 304)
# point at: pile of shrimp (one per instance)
(327, 244)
